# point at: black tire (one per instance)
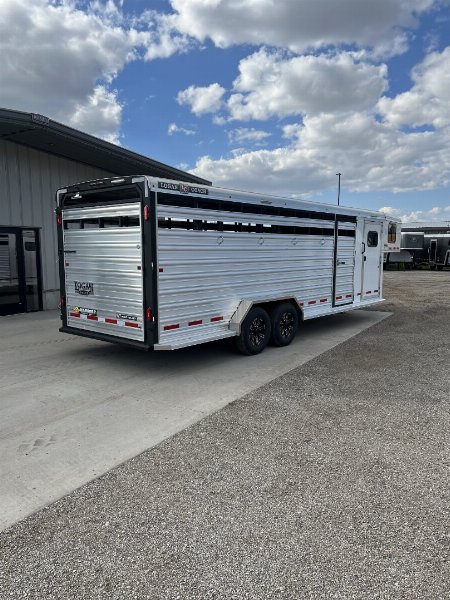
(284, 320)
(255, 332)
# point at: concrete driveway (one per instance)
(72, 408)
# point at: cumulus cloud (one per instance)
(428, 100)
(202, 100)
(174, 128)
(247, 134)
(371, 155)
(270, 84)
(435, 214)
(299, 25)
(163, 37)
(60, 61)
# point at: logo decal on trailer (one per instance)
(79, 310)
(184, 188)
(84, 288)
(124, 317)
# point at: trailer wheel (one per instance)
(255, 332)
(284, 324)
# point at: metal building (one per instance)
(38, 156)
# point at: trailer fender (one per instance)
(245, 305)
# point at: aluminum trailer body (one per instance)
(160, 264)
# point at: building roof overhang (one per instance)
(41, 133)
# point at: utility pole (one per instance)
(339, 186)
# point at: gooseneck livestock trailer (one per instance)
(160, 264)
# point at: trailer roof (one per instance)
(41, 133)
(220, 193)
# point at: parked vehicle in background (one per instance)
(437, 246)
(161, 264)
(419, 248)
(411, 250)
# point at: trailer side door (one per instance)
(372, 256)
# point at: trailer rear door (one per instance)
(103, 269)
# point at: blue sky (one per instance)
(266, 95)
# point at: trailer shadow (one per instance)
(201, 357)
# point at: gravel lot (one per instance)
(332, 481)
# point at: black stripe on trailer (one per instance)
(210, 204)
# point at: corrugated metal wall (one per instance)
(28, 182)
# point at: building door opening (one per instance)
(20, 270)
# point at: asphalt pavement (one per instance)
(331, 481)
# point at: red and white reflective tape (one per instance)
(107, 320)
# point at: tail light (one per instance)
(148, 314)
(58, 218)
(146, 213)
(62, 301)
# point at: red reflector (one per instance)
(161, 270)
(323, 299)
(312, 302)
(62, 301)
(191, 323)
(349, 295)
(169, 327)
(338, 297)
(74, 314)
(359, 293)
(92, 318)
(301, 303)
(112, 321)
(131, 324)
(215, 319)
(139, 268)
(148, 314)
(58, 219)
(146, 213)
(374, 291)
(369, 292)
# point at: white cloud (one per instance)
(174, 128)
(299, 25)
(428, 101)
(435, 214)
(247, 134)
(163, 38)
(59, 61)
(202, 100)
(269, 84)
(369, 154)
(100, 114)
